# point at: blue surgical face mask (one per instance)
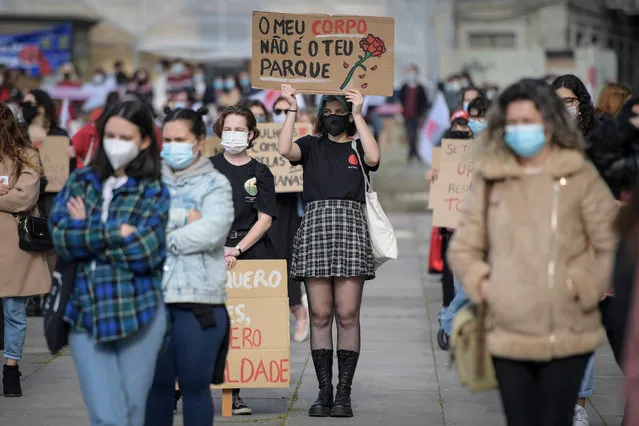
(178, 155)
(477, 126)
(229, 84)
(218, 85)
(245, 82)
(465, 106)
(177, 105)
(526, 140)
(260, 119)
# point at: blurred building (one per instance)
(502, 40)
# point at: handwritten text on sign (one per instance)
(259, 344)
(323, 53)
(454, 182)
(287, 177)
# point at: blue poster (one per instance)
(40, 53)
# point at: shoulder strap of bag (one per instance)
(367, 182)
(482, 307)
(88, 158)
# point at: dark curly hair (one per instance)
(15, 145)
(586, 118)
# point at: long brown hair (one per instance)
(612, 98)
(14, 144)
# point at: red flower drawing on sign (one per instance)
(373, 47)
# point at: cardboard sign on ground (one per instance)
(323, 53)
(259, 347)
(54, 154)
(255, 279)
(287, 177)
(454, 182)
(435, 167)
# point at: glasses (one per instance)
(477, 117)
(341, 114)
(571, 102)
(278, 111)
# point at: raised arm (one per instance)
(285, 145)
(371, 148)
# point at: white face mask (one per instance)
(234, 142)
(120, 153)
(279, 118)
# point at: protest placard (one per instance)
(453, 182)
(259, 347)
(323, 53)
(287, 178)
(54, 154)
(212, 146)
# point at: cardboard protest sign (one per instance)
(435, 166)
(212, 146)
(323, 53)
(54, 154)
(287, 177)
(453, 183)
(259, 346)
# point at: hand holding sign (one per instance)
(4, 189)
(356, 99)
(288, 93)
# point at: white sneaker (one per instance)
(581, 416)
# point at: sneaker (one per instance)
(581, 416)
(240, 408)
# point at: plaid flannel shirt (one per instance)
(118, 283)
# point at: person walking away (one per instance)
(110, 220)
(332, 250)
(194, 278)
(253, 198)
(25, 273)
(160, 86)
(415, 105)
(542, 288)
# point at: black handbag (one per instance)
(33, 233)
(56, 330)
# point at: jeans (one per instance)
(190, 356)
(588, 382)
(540, 393)
(115, 377)
(15, 326)
(459, 301)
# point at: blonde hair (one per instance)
(612, 98)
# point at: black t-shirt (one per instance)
(253, 190)
(331, 169)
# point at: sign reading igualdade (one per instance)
(323, 53)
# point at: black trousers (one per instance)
(448, 282)
(412, 128)
(540, 393)
(615, 336)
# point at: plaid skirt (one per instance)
(333, 241)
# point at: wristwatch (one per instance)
(239, 250)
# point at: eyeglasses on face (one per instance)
(278, 111)
(570, 102)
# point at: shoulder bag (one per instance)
(56, 330)
(383, 240)
(468, 339)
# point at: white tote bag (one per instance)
(380, 228)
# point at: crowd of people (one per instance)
(547, 239)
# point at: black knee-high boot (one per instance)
(323, 361)
(347, 363)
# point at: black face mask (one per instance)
(28, 111)
(458, 134)
(334, 124)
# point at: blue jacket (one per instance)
(118, 280)
(195, 270)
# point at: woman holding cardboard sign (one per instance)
(333, 253)
(253, 197)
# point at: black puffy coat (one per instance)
(613, 147)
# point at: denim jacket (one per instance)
(195, 270)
